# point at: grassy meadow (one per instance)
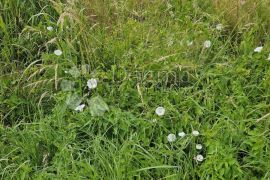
(81, 82)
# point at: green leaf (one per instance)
(67, 85)
(97, 106)
(73, 100)
(74, 72)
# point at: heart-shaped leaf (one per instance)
(73, 101)
(97, 106)
(67, 85)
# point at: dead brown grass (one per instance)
(107, 12)
(236, 13)
(102, 12)
(242, 12)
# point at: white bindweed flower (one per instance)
(242, 2)
(181, 134)
(189, 43)
(58, 52)
(219, 27)
(198, 146)
(80, 108)
(160, 111)
(195, 133)
(50, 28)
(171, 137)
(207, 44)
(92, 83)
(199, 158)
(258, 49)
(268, 57)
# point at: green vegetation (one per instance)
(144, 54)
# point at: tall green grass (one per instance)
(139, 52)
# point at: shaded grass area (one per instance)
(139, 52)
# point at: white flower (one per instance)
(258, 49)
(50, 28)
(268, 58)
(80, 108)
(92, 83)
(198, 146)
(182, 134)
(171, 137)
(195, 133)
(207, 44)
(189, 43)
(199, 157)
(242, 2)
(58, 52)
(160, 111)
(219, 27)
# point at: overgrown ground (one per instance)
(141, 53)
